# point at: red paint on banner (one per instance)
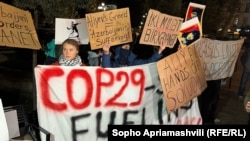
(45, 94)
(88, 86)
(136, 77)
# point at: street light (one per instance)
(104, 7)
(101, 7)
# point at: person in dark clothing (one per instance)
(245, 61)
(247, 105)
(50, 52)
(208, 101)
(125, 57)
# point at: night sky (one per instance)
(135, 9)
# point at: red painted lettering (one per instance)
(100, 84)
(45, 94)
(88, 86)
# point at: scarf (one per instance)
(123, 57)
(75, 62)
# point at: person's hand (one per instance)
(179, 47)
(162, 47)
(248, 107)
(106, 48)
(126, 46)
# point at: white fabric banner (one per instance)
(78, 103)
(4, 133)
(218, 57)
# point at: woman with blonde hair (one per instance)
(69, 56)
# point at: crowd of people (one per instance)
(134, 53)
(128, 54)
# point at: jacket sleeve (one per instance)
(106, 62)
(134, 61)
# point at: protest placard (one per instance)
(160, 28)
(112, 26)
(195, 10)
(71, 29)
(182, 77)
(17, 28)
(190, 32)
(218, 58)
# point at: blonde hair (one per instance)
(71, 42)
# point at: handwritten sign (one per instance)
(111, 26)
(160, 28)
(190, 32)
(80, 102)
(218, 58)
(17, 28)
(182, 77)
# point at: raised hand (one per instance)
(162, 47)
(106, 48)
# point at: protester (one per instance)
(124, 56)
(94, 57)
(50, 52)
(247, 105)
(69, 56)
(245, 60)
(208, 102)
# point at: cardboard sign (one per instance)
(17, 28)
(111, 26)
(190, 32)
(182, 77)
(195, 10)
(160, 28)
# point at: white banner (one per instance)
(4, 133)
(218, 57)
(78, 103)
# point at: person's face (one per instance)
(126, 46)
(69, 51)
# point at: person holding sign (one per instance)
(69, 56)
(125, 57)
(208, 101)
